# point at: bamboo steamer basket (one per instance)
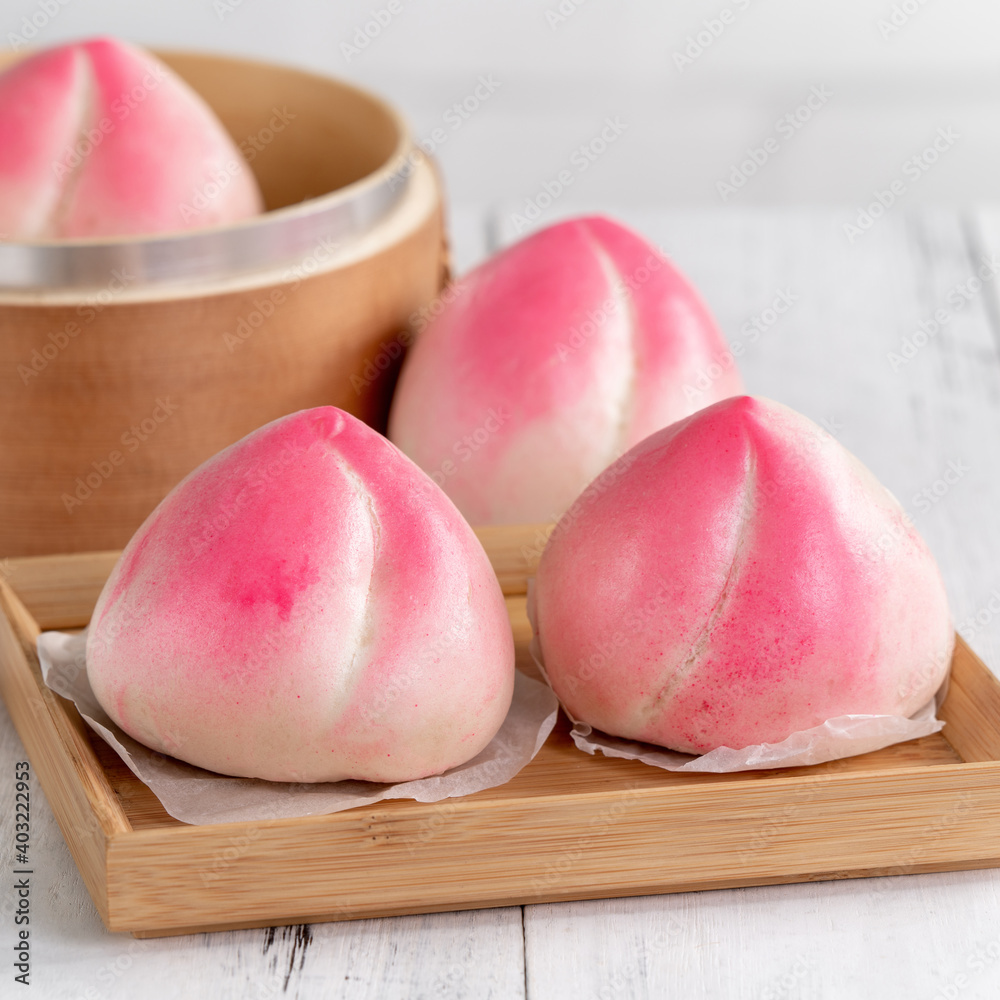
(124, 364)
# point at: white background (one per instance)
(686, 128)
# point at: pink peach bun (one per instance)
(737, 577)
(101, 139)
(546, 363)
(306, 606)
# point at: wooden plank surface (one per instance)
(894, 937)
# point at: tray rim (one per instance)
(113, 837)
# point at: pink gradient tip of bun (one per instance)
(735, 578)
(100, 139)
(306, 606)
(547, 362)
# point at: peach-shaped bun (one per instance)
(99, 139)
(306, 606)
(736, 578)
(544, 364)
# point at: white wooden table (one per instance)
(912, 937)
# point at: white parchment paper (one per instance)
(197, 796)
(844, 736)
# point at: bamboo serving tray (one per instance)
(569, 826)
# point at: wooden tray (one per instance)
(568, 826)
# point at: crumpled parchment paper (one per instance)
(844, 736)
(197, 796)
